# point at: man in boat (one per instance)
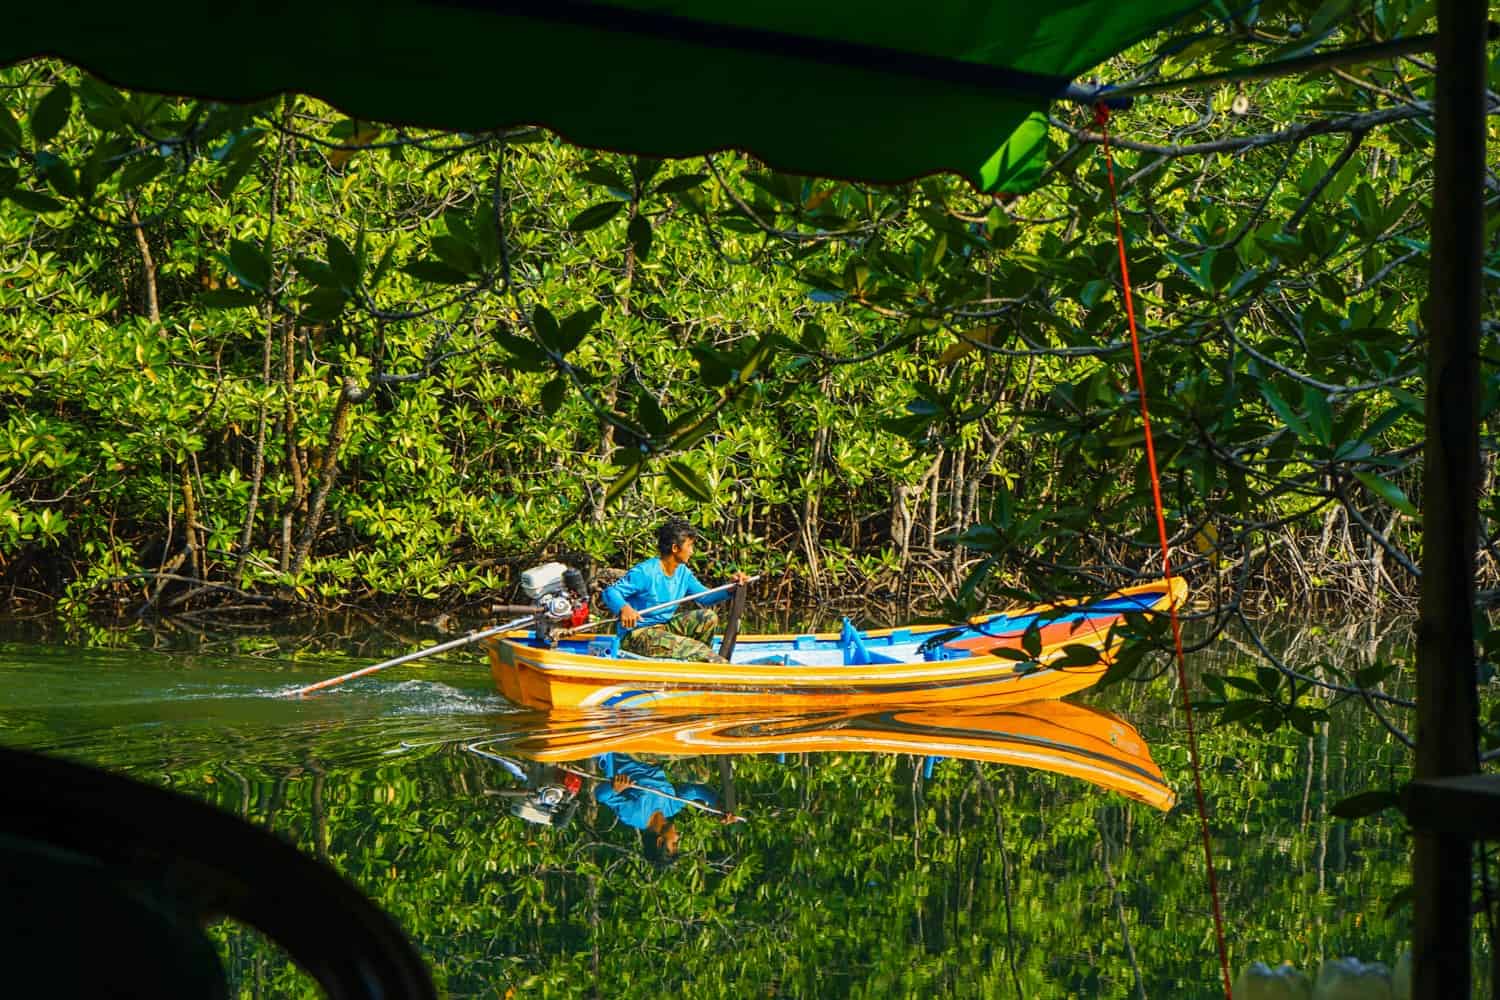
(632, 796)
(665, 634)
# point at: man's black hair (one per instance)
(652, 848)
(674, 532)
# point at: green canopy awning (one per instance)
(873, 90)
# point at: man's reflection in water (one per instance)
(632, 795)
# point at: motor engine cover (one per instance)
(540, 581)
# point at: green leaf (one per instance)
(696, 424)
(458, 255)
(576, 327)
(1332, 288)
(1328, 16)
(644, 168)
(1374, 674)
(323, 305)
(1248, 279)
(103, 162)
(1302, 720)
(639, 235)
(980, 538)
(361, 252)
(140, 171)
(314, 270)
(598, 173)
(378, 275)
(1076, 654)
(435, 272)
(101, 103)
(1223, 268)
(1196, 271)
(11, 136)
(1319, 416)
(621, 484)
(526, 355)
(1031, 640)
(754, 359)
(687, 481)
(228, 298)
(239, 161)
(649, 413)
(342, 263)
(51, 114)
(676, 185)
(547, 329)
(713, 365)
(595, 216)
(1242, 710)
(458, 225)
(58, 174)
(1124, 665)
(1288, 416)
(1365, 804)
(249, 263)
(1269, 678)
(34, 201)
(487, 238)
(553, 394)
(1387, 491)
(1386, 420)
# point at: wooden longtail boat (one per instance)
(1046, 735)
(981, 662)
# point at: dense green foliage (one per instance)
(266, 349)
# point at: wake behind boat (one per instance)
(985, 661)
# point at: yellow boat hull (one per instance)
(570, 679)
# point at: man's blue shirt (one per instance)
(635, 804)
(646, 586)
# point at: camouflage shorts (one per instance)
(685, 637)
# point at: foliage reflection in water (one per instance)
(855, 874)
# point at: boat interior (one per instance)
(927, 643)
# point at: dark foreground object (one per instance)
(109, 882)
(1467, 805)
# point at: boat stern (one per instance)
(518, 681)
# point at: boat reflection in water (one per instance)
(1052, 736)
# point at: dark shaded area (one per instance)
(149, 867)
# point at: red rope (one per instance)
(1101, 117)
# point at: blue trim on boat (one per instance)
(625, 696)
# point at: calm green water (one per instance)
(854, 876)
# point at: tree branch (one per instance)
(1327, 126)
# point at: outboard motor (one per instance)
(554, 800)
(561, 596)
